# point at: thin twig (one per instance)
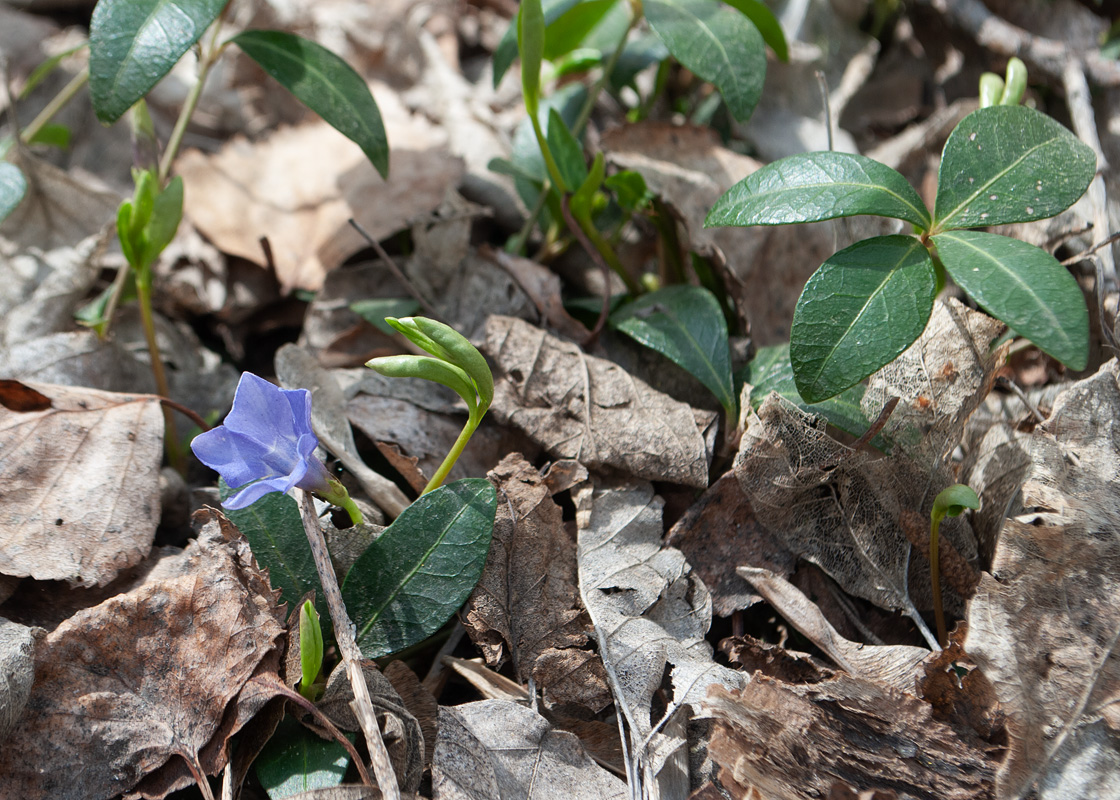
(189, 413)
(362, 705)
(394, 268)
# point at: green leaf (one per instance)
(506, 51)
(630, 189)
(767, 24)
(817, 186)
(167, 212)
(686, 325)
(568, 31)
(13, 186)
(1022, 285)
(134, 43)
(567, 151)
(1006, 164)
(423, 567)
(716, 43)
(310, 648)
(52, 135)
(858, 312)
(953, 501)
(296, 760)
(428, 369)
(530, 46)
(771, 371)
(274, 528)
(324, 83)
(375, 310)
(583, 198)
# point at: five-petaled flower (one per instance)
(266, 445)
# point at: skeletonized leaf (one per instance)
(858, 312)
(686, 325)
(79, 482)
(422, 567)
(812, 187)
(716, 43)
(324, 83)
(1024, 286)
(134, 43)
(1005, 164)
(1043, 626)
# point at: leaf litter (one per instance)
(154, 667)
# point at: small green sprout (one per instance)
(310, 650)
(455, 363)
(1006, 91)
(951, 502)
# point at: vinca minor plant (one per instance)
(867, 303)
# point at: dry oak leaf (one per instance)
(79, 481)
(1045, 625)
(788, 742)
(145, 680)
(526, 606)
(500, 750)
(589, 409)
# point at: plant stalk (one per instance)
(935, 579)
(205, 62)
(456, 450)
(57, 103)
(144, 298)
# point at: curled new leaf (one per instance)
(429, 369)
(310, 648)
(444, 342)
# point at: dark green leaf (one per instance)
(567, 151)
(52, 135)
(630, 189)
(274, 528)
(1023, 286)
(1007, 164)
(134, 43)
(324, 83)
(583, 198)
(530, 46)
(816, 186)
(167, 212)
(13, 186)
(770, 371)
(419, 572)
(858, 312)
(526, 155)
(717, 44)
(375, 310)
(296, 760)
(767, 24)
(570, 29)
(684, 324)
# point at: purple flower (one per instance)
(265, 445)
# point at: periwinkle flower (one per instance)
(266, 445)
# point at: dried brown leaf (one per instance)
(967, 702)
(584, 408)
(788, 742)
(526, 606)
(17, 671)
(1044, 625)
(79, 484)
(498, 750)
(419, 702)
(124, 688)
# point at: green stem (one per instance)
(935, 579)
(114, 299)
(171, 436)
(609, 255)
(353, 510)
(206, 60)
(55, 105)
(456, 450)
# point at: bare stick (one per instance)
(362, 705)
(396, 270)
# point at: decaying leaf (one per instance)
(581, 407)
(79, 483)
(787, 742)
(1044, 626)
(651, 613)
(17, 671)
(526, 605)
(498, 750)
(720, 533)
(418, 700)
(896, 666)
(144, 681)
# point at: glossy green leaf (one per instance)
(567, 151)
(686, 325)
(953, 501)
(167, 213)
(771, 371)
(767, 24)
(583, 199)
(858, 312)
(422, 568)
(295, 760)
(52, 135)
(1022, 285)
(376, 309)
(1006, 164)
(716, 43)
(530, 46)
(274, 528)
(134, 43)
(817, 186)
(569, 30)
(324, 83)
(428, 369)
(13, 186)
